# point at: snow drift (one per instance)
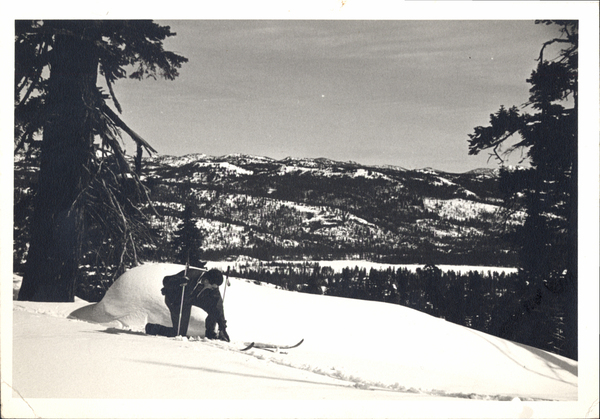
(370, 343)
(135, 299)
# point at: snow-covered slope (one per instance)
(359, 359)
(370, 343)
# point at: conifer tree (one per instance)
(546, 128)
(84, 178)
(188, 238)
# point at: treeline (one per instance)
(324, 249)
(498, 303)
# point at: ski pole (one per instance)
(187, 266)
(226, 283)
(180, 309)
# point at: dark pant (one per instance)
(173, 302)
(159, 329)
(174, 306)
(210, 322)
(185, 317)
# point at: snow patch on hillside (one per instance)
(458, 208)
(226, 167)
(465, 192)
(371, 174)
(177, 161)
(218, 232)
(330, 172)
(285, 169)
(440, 181)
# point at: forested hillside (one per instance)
(320, 209)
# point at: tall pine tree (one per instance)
(547, 127)
(84, 178)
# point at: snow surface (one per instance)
(352, 338)
(353, 350)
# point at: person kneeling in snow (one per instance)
(202, 290)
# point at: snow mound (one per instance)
(135, 299)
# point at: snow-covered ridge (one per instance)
(338, 212)
(369, 174)
(332, 172)
(427, 170)
(305, 162)
(226, 166)
(176, 161)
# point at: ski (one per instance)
(271, 347)
(248, 347)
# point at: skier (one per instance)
(199, 288)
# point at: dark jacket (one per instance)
(207, 299)
(210, 300)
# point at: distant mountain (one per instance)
(321, 208)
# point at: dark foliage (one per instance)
(547, 241)
(86, 196)
(187, 240)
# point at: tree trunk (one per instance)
(57, 226)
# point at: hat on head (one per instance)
(214, 276)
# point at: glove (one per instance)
(223, 335)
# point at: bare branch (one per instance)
(119, 122)
(112, 93)
(495, 150)
(548, 43)
(135, 258)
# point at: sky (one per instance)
(378, 92)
